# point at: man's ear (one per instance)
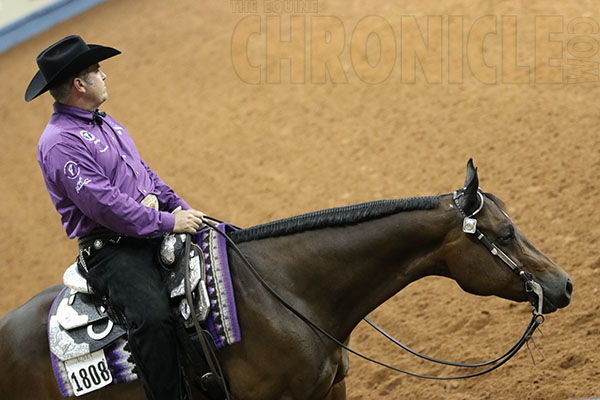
(470, 199)
(78, 85)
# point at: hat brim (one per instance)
(96, 53)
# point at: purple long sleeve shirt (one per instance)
(96, 177)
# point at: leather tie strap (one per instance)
(97, 117)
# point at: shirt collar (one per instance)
(78, 113)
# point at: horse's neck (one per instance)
(344, 273)
(382, 258)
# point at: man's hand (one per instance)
(188, 221)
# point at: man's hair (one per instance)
(61, 90)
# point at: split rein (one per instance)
(469, 226)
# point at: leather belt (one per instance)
(97, 239)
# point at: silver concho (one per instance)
(184, 309)
(469, 225)
(167, 249)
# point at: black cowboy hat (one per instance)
(67, 56)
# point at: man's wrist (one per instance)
(166, 222)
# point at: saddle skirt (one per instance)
(90, 351)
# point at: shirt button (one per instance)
(144, 191)
(136, 173)
(123, 156)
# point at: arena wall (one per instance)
(21, 20)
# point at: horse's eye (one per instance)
(507, 235)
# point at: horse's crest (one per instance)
(90, 351)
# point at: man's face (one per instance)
(94, 84)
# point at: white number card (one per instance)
(88, 373)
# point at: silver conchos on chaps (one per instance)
(89, 350)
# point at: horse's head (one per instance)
(488, 255)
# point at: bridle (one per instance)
(469, 227)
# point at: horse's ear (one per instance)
(470, 199)
(471, 172)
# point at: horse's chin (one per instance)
(548, 307)
(554, 299)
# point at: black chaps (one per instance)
(129, 280)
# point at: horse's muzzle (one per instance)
(557, 298)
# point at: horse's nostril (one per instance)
(569, 287)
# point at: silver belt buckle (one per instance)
(150, 201)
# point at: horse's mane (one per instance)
(332, 217)
(496, 200)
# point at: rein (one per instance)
(210, 356)
(469, 226)
(535, 322)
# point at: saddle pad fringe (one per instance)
(222, 321)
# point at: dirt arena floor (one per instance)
(248, 143)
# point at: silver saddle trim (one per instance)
(77, 327)
(68, 317)
(62, 345)
(74, 280)
(195, 276)
(172, 254)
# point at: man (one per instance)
(115, 205)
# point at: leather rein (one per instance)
(469, 227)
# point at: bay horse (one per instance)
(334, 267)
